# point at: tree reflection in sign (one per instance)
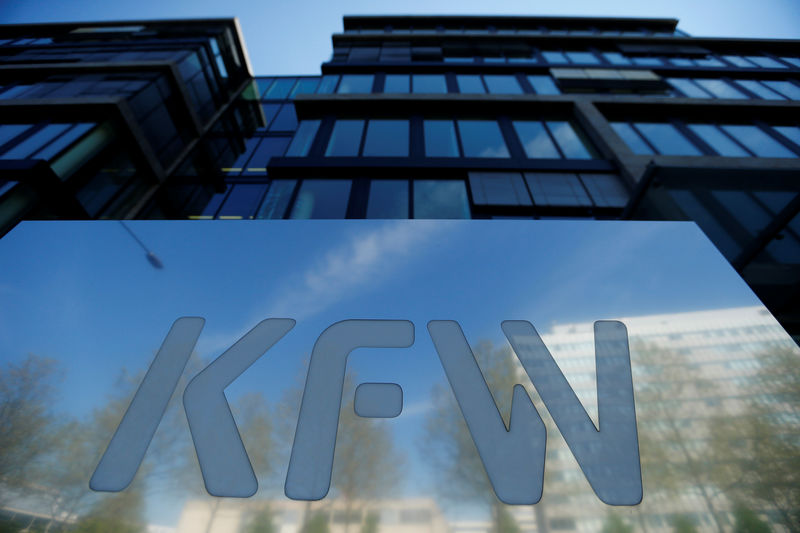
(451, 451)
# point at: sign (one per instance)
(513, 456)
(449, 376)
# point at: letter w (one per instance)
(608, 456)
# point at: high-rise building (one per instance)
(415, 117)
(102, 120)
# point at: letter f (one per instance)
(311, 463)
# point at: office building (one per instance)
(416, 117)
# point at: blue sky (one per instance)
(294, 37)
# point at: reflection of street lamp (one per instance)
(151, 257)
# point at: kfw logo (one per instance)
(513, 456)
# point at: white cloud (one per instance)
(417, 408)
(362, 262)
(365, 260)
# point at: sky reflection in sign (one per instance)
(82, 294)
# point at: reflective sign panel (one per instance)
(453, 376)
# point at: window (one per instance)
(583, 58)
(759, 90)
(396, 83)
(268, 148)
(279, 89)
(792, 61)
(498, 188)
(277, 199)
(631, 138)
(681, 61)
(482, 138)
(709, 61)
(440, 138)
(328, 84)
(301, 143)
(688, 88)
(757, 141)
(556, 58)
(242, 201)
(615, 58)
(112, 179)
(345, 138)
(35, 142)
(455, 59)
(765, 62)
(666, 139)
(286, 119)
(395, 52)
(739, 61)
(10, 131)
(318, 198)
(647, 61)
(270, 110)
(386, 138)
(364, 54)
(606, 190)
(550, 189)
(502, 84)
(535, 139)
(567, 139)
(62, 142)
(388, 199)
(355, 84)
(719, 88)
(429, 83)
(13, 91)
(790, 132)
(716, 139)
(727, 140)
(241, 161)
(437, 199)
(470, 84)
(305, 86)
(540, 140)
(543, 84)
(786, 88)
(522, 59)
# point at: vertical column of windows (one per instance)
(321, 198)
